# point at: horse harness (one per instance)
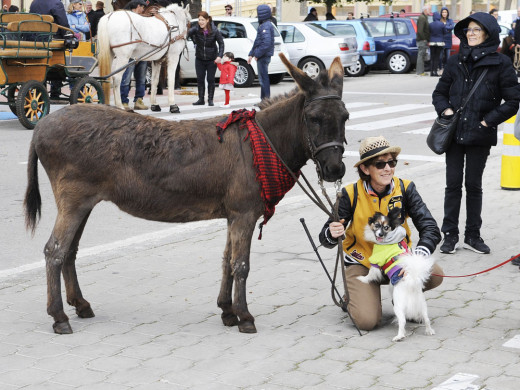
(167, 42)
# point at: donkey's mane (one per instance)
(279, 98)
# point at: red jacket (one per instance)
(227, 72)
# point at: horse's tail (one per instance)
(33, 201)
(105, 55)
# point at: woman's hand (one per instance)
(218, 60)
(337, 229)
(483, 123)
(448, 112)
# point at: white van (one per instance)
(239, 34)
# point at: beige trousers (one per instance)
(365, 299)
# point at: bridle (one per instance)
(315, 150)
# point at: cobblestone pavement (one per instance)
(157, 325)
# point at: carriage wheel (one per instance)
(87, 90)
(32, 103)
(12, 92)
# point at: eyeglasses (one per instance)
(474, 30)
(382, 164)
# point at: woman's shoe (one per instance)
(210, 103)
(199, 102)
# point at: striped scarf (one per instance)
(274, 179)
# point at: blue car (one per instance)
(365, 41)
(395, 42)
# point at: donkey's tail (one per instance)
(33, 201)
(105, 55)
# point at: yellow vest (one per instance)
(355, 245)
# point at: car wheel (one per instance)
(398, 62)
(276, 78)
(244, 75)
(359, 69)
(312, 66)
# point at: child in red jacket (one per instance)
(227, 75)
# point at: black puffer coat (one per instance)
(206, 45)
(463, 70)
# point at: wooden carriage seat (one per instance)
(29, 49)
(8, 17)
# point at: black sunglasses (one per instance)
(382, 164)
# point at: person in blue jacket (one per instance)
(78, 19)
(54, 8)
(449, 24)
(436, 43)
(263, 48)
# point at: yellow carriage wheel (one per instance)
(87, 90)
(32, 103)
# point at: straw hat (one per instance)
(375, 146)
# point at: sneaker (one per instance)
(449, 244)
(225, 105)
(476, 244)
(139, 105)
(126, 106)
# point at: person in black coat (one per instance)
(477, 126)
(206, 37)
(54, 8)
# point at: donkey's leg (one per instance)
(241, 232)
(74, 296)
(224, 300)
(56, 251)
(156, 70)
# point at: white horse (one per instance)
(124, 34)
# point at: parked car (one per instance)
(365, 42)
(239, 34)
(313, 48)
(395, 43)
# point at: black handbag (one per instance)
(441, 134)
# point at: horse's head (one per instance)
(324, 117)
(177, 15)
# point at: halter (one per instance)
(315, 150)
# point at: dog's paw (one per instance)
(429, 332)
(363, 279)
(398, 338)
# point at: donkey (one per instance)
(165, 171)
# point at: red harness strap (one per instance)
(274, 179)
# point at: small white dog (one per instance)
(407, 272)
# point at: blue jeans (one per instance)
(263, 76)
(139, 71)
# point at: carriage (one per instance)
(30, 59)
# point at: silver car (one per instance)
(313, 48)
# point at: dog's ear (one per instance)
(374, 217)
(395, 217)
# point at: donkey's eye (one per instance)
(315, 120)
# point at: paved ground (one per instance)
(157, 325)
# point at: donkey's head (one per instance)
(324, 116)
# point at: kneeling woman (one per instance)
(377, 190)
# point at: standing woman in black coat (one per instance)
(477, 126)
(205, 37)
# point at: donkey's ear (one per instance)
(305, 83)
(336, 73)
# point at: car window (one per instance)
(341, 28)
(380, 28)
(276, 32)
(320, 30)
(290, 34)
(401, 27)
(367, 30)
(231, 29)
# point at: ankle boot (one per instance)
(202, 90)
(211, 93)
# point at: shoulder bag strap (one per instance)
(473, 89)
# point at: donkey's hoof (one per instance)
(247, 327)
(62, 328)
(229, 319)
(85, 312)
(155, 107)
(174, 109)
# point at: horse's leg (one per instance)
(173, 60)
(156, 70)
(224, 300)
(56, 253)
(118, 62)
(242, 229)
(74, 296)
